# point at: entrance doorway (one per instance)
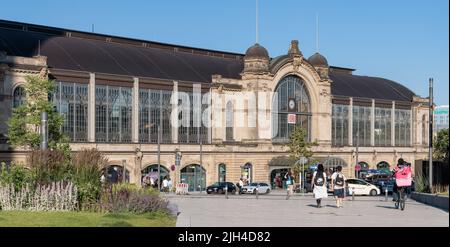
(151, 171)
(277, 179)
(195, 176)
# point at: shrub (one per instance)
(421, 184)
(129, 198)
(57, 196)
(48, 166)
(86, 166)
(15, 175)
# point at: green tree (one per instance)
(440, 145)
(299, 147)
(25, 121)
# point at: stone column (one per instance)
(135, 112)
(372, 124)
(350, 123)
(91, 108)
(393, 124)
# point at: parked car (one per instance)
(219, 188)
(378, 178)
(263, 188)
(361, 187)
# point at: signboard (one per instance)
(292, 118)
(357, 167)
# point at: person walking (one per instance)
(319, 185)
(240, 186)
(337, 185)
(289, 182)
(169, 184)
(165, 184)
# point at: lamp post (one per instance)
(303, 161)
(357, 152)
(44, 131)
(430, 151)
(159, 157)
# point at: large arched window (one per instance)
(292, 99)
(195, 176)
(229, 121)
(19, 96)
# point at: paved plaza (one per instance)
(202, 210)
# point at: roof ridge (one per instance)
(68, 33)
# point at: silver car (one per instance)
(263, 188)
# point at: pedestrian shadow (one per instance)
(331, 206)
(388, 207)
(312, 205)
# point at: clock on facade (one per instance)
(291, 104)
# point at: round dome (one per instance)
(257, 51)
(318, 60)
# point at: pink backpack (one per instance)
(403, 176)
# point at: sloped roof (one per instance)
(368, 87)
(81, 51)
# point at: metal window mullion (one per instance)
(74, 112)
(107, 113)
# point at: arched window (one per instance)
(19, 96)
(222, 173)
(229, 121)
(383, 166)
(292, 98)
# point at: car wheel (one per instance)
(267, 191)
(373, 192)
(219, 191)
(233, 192)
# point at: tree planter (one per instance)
(438, 201)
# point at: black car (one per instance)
(219, 188)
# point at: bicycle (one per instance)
(400, 202)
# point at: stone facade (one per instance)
(251, 144)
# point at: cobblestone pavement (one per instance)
(274, 210)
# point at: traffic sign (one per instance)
(357, 167)
(292, 118)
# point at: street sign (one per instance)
(292, 118)
(357, 167)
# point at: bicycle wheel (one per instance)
(402, 201)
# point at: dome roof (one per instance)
(256, 51)
(318, 60)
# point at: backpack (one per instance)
(339, 181)
(319, 180)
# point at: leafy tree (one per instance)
(25, 121)
(440, 145)
(299, 147)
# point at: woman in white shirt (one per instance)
(319, 184)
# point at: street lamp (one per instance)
(303, 161)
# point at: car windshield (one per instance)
(253, 184)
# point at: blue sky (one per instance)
(404, 40)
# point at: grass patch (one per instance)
(83, 219)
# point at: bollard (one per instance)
(288, 194)
(385, 194)
(353, 195)
(257, 192)
(226, 192)
(200, 188)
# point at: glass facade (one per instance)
(383, 127)
(71, 101)
(113, 107)
(402, 128)
(291, 89)
(361, 125)
(339, 125)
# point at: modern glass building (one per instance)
(229, 114)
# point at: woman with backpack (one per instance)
(338, 185)
(319, 185)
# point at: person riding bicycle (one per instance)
(403, 177)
